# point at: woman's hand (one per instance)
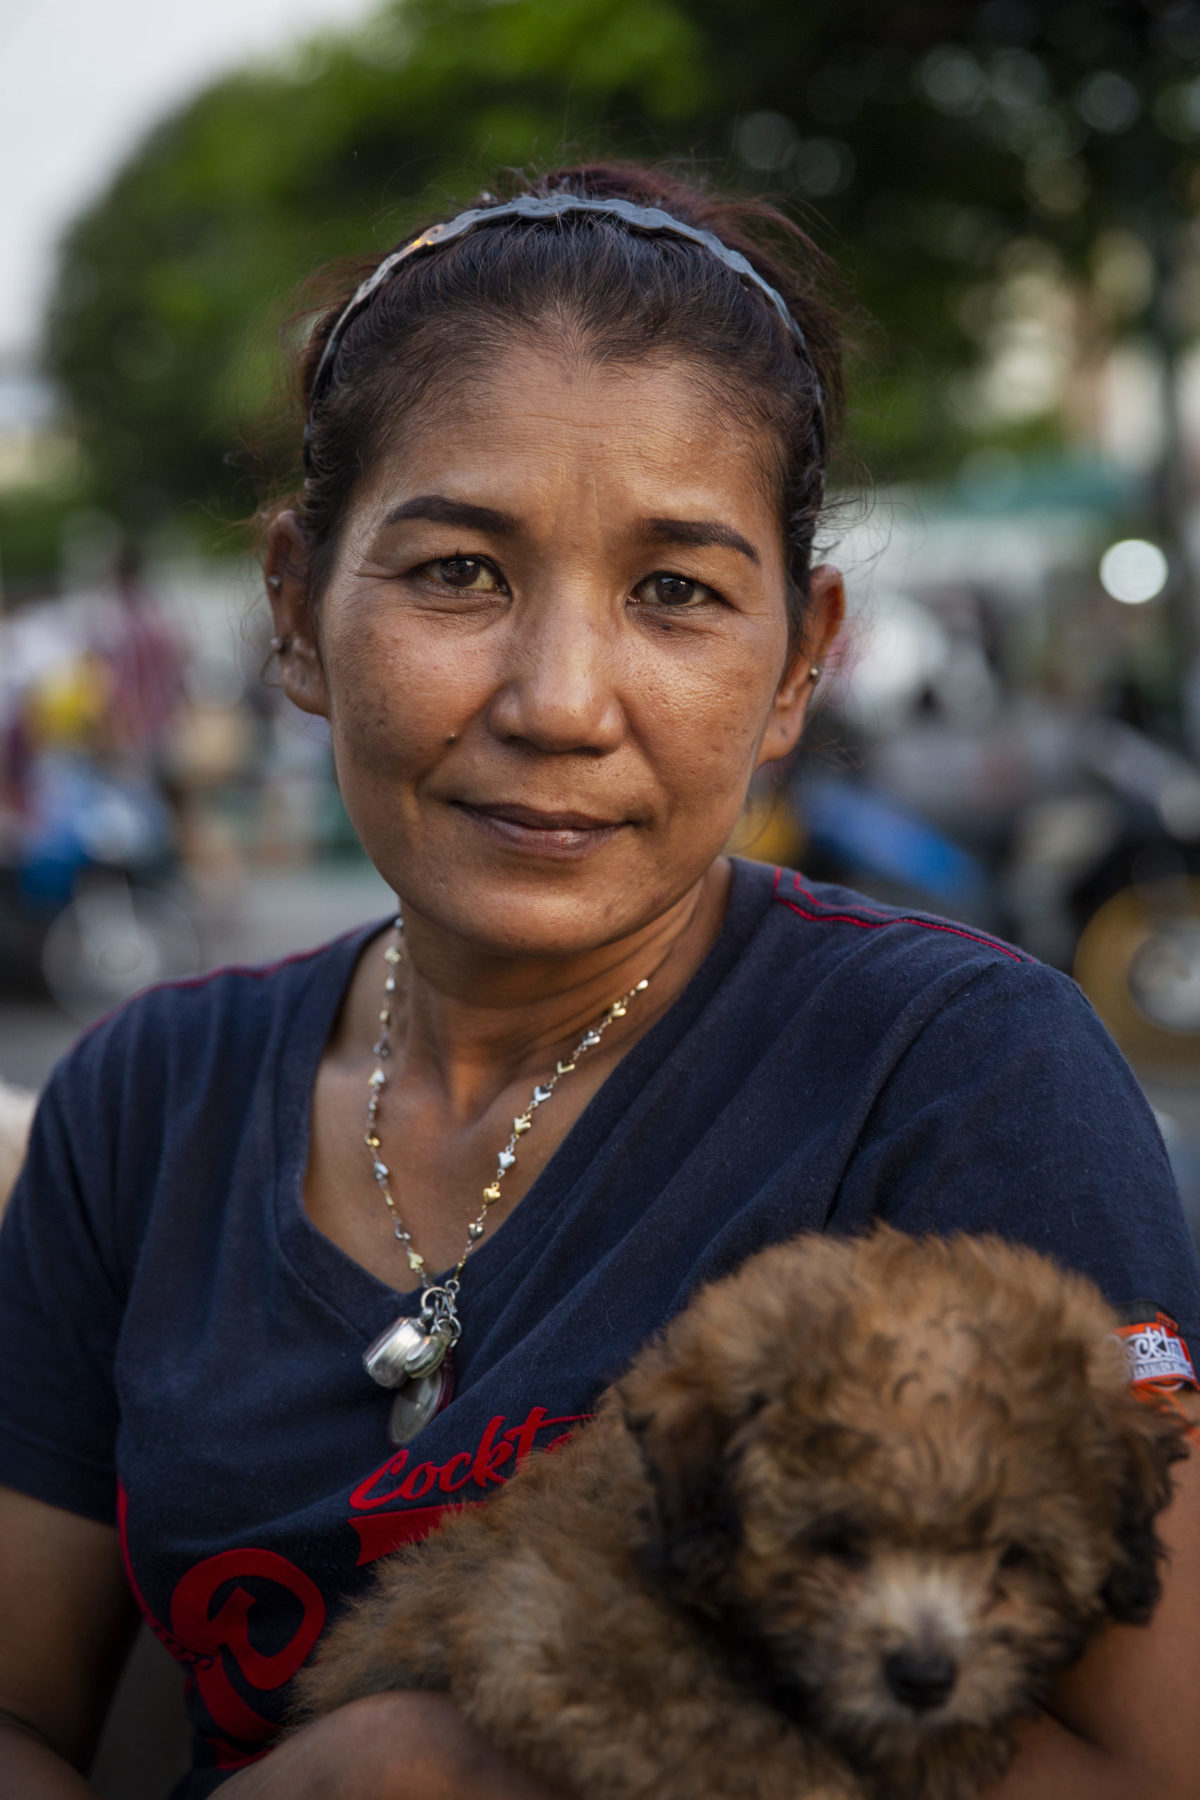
(386, 1747)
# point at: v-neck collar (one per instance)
(364, 1301)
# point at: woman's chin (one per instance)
(522, 926)
(558, 910)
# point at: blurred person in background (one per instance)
(146, 659)
(89, 806)
(550, 579)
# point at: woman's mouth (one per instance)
(562, 833)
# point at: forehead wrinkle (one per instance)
(510, 396)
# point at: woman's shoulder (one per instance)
(815, 941)
(863, 997)
(174, 1079)
(835, 921)
(977, 1089)
(221, 1018)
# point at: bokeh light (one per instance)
(1133, 571)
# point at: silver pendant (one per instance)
(413, 1357)
(406, 1349)
(386, 1360)
(418, 1401)
(430, 1355)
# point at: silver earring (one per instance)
(279, 644)
(274, 582)
(814, 673)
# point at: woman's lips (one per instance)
(563, 835)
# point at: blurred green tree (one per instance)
(174, 287)
(933, 141)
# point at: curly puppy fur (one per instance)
(830, 1536)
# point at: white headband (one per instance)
(651, 220)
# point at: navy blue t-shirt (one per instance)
(181, 1349)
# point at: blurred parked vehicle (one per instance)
(82, 878)
(1102, 879)
(932, 783)
(87, 836)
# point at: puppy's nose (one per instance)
(920, 1678)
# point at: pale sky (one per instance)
(82, 80)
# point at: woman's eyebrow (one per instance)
(699, 533)
(441, 510)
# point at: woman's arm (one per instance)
(66, 1623)
(387, 1747)
(1122, 1723)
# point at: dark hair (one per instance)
(623, 297)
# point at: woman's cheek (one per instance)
(392, 708)
(707, 732)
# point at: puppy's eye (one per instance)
(840, 1543)
(1015, 1556)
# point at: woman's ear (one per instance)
(826, 608)
(285, 570)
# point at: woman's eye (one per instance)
(671, 590)
(466, 572)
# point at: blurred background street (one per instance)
(1010, 730)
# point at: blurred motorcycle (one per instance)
(83, 875)
(1101, 879)
(1137, 906)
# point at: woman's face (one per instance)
(553, 648)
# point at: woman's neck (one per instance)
(467, 1024)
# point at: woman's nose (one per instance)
(558, 690)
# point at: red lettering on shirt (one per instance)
(497, 1448)
(214, 1641)
(445, 1479)
(523, 1437)
(223, 1636)
(493, 1452)
(363, 1496)
(418, 1484)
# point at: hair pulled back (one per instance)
(616, 295)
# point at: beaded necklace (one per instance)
(413, 1355)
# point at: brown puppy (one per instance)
(831, 1535)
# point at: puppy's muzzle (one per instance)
(920, 1678)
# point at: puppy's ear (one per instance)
(692, 1400)
(686, 1423)
(1151, 1440)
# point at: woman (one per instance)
(550, 581)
